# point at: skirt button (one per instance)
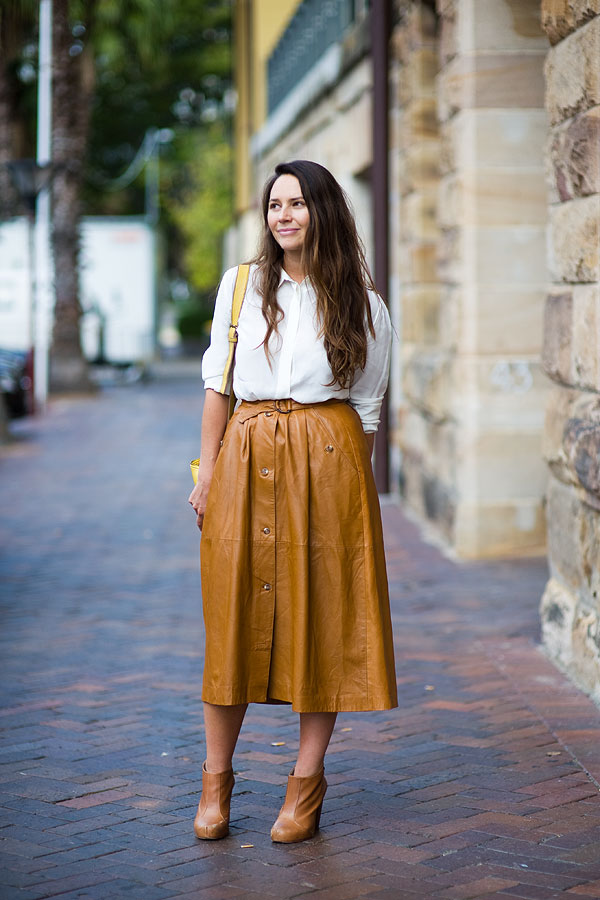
(266, 587)
(267, 414)
(266, 531)
(264, 471)
(329, 448)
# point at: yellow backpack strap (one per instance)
(241, 282)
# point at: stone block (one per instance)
(561, 17)
(589, 534)
(507, 321)
(585, 364)
(571, 443)
(573, 73)
(416, 28)
(500, 25)
(492, 256)
(417, 74)
(428, 495)
(499, 529)
(511, 139)
(422, 163)
(498, 395)
(585, 669)
(450, 255)
(417, 264)
(448, 47)
(498, 466)
(414, 432)
(418, 216)
(449, 202)
(581, 441)
(557, 612)
(560, 403)
(494, 138)
(440, 455)
(574, 156)
(507, 256)
(430, 442)
(574, 240)
(449, 316)
(420, 121)
(421, 314)
(570, 607)
(563, 508)
(574, 542)
(494, 80)
(495, 197)
(429, 382)
(421, 71)
(558, 336)
(423, 25)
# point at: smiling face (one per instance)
(287, 215)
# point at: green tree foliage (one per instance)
(159, 63)
(201, 208)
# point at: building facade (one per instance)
(492, 112)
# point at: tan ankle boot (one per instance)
(301, 812)
(212, 818)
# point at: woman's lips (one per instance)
(288, 230)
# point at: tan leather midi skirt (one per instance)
(294, 585)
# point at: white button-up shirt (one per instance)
(299, 368)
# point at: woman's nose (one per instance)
(285, 213)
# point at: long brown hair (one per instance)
(333, 258)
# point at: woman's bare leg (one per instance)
(315, 734)
(222, 727)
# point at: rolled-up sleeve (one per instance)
(215, 358)
(369, 385)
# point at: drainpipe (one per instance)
(380, 30)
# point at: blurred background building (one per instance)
(491, 164)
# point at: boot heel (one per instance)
(318, 818)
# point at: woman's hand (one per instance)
(214, 422)
(199, 496)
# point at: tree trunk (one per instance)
(8, 196)
(72, 91)
(14, 24)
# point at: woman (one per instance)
(293, 573)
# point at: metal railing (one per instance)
(314, 27)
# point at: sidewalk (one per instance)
(484, 783)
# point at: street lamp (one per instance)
(29, 178)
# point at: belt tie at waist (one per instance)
(250, 408)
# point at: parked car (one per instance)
(16, 382)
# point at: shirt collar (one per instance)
(285, 277)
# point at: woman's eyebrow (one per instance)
(292, 199)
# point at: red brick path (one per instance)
(484, 783)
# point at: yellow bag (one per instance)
(239, 292)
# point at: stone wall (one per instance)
(419, 415)
(570, 607)
(473, 300)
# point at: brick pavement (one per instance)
(483, 784)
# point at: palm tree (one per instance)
(72, 93)
(16, 20)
